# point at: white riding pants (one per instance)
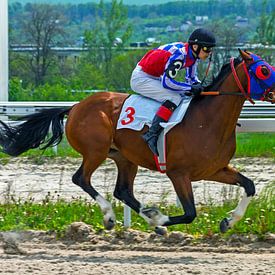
(150, 86)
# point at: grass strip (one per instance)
(56, 215)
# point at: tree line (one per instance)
(105, 65)
(212, 8)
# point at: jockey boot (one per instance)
(163, 114)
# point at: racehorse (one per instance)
(198, 148)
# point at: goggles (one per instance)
(207, 49)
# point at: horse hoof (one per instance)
(109, 224)
(161, 230)
(224, 225)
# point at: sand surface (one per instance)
(26, 178)
(82, 251)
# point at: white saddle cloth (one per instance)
(138, 111)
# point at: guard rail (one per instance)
(254, 118)
(17, 108)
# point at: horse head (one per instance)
(260, 77)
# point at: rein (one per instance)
(238, 81)
(208, 68)
(221, 93)
(242, 93)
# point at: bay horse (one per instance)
(199, 148)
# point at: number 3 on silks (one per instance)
(130, 115)
(173, 68)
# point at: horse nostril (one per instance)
(271, 95)
(272, 89)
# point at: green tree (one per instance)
(122, 68)
(265, 32)
(227, 35)
(57, 92)
(19, 67)
(87, 77)
(42, 27)
(111, 23)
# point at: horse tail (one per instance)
(33, 132)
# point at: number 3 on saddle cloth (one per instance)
(138, 111)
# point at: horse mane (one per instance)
(224, 72)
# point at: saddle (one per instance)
(138, 111)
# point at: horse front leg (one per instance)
(183, 188)
(231, 176)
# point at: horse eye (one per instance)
(265, 71)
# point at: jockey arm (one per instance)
(173, 66)
(191, 76)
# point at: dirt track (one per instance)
(64, 261)
(131, 252)
(134, 253)
(26, 178)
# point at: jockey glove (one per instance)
(196, 89)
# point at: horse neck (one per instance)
(234, 104)
(226, 109)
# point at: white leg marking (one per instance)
(239, 211)
(157, 218)
(106, 208)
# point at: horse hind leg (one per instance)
(124, 192)
(125, 180)
(231, 176)
(82, 179)
(90, 133)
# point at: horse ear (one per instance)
(245, 55)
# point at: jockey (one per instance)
(154, 77)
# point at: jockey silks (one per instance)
(165, 62)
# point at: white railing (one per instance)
(18, 108)
(254, 118)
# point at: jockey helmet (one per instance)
(202, 37)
